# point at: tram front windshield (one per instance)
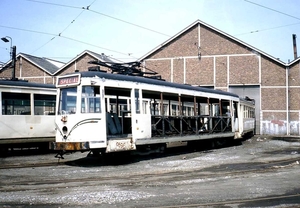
(67, 101)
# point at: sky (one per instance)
(128, 29)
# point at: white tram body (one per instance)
(27, 113)
(245, 124)
(105, 112)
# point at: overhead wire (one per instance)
(49, 3)
(100, 13)
(57, 35)
(274, 10)
(128, 22)
(272, 28)
(121, 20)
(63, 29)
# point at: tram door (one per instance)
(141, 117)
(92, 116)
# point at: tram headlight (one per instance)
(64, 130)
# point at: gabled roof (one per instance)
(97, 56)
(47, 65)
(218, 31)
(294, 61)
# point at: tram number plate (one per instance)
(121, 145)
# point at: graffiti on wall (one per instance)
(279, 127)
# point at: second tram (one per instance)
(27, 114)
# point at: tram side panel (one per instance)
(26, 127)
(26, 114)
(248, 115)
(244, 118)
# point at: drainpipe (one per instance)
(295, 46)
(287, 102)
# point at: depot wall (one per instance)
(202, 56)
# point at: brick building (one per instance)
(32, 68)
(205, 56)
(44, 70)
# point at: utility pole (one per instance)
(13, 61)
(13, 53)
(295, 46)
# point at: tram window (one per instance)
(137, 100)
(216, 109)
(166, 109)
(15, 103)
(246, 112)
(67, 100)
(44, 104)
(154, 108)
(175, 110)
(146, 106)
(184, 110)
(90, 99)
(204, 109)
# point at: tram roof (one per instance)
(152, 81)
(22, 83)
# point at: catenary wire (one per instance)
(274, 10)
(87, 8)
(56, 35)
(100, 13)
(272, 28)
(63, 29)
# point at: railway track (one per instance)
(149, 180)
(221, 169)
(266, 200)
(31, 165)
(83, 180)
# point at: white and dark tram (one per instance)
(104, 112)
(27, 114)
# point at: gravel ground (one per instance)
(213, 178)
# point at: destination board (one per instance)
(68, 80)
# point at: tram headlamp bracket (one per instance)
(64, 118)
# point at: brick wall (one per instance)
(221, 65)
(272, 74)
(243, 70)
(199, 71)
(273, 99)
(221, 62)
(80, 64)
(28, 71)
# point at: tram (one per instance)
(27, 114)
(107, 112)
